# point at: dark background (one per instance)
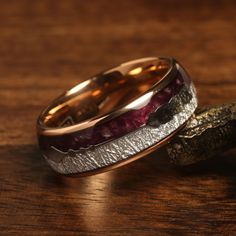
(49, 46)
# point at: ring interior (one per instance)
(105, 93)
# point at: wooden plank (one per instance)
(49, 46)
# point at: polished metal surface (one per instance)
(107, 95)
(125, 88)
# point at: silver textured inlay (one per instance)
(102, 155)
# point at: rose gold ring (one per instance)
(117, 116)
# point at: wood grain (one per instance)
(49, 46)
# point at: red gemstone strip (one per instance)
(117, 126)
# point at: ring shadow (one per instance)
(153, 170)
(147, 174)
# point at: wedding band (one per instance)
(117, 116)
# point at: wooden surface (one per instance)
(48, 46)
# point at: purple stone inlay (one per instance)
(117, 126)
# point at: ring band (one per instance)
(116, 116)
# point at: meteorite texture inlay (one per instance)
(106, 154)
